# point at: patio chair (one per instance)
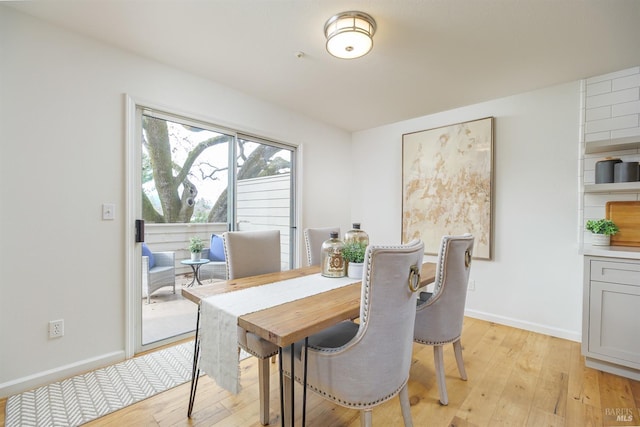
(158, 271)
(217, 267)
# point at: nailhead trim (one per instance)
(438, 342)
(253, 353)
(308, 245)
(360, 405)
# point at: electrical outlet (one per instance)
(56, 328)
(472, 285)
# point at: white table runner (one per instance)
(219, 351)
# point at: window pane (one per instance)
(184, 172)
(263, 191)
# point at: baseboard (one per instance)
(39, 379)
(612, 368)
(527, 326)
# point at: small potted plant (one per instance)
(353, 254)
(196, 245)
(602, 230)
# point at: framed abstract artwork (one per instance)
(447, 180)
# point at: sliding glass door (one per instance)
(199, 180)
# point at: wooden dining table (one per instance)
(292, 321)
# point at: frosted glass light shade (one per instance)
(350, 34)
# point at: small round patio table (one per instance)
(195, 266)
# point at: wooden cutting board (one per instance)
(626, 215)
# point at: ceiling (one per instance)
(428, 55)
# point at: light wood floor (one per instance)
(516, 378)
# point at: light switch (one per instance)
(108, 211)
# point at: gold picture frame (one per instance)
(447, 185)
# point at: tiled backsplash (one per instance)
(611, 110)
(612, 105)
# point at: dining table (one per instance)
(289, 322)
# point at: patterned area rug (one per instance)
(83, 398)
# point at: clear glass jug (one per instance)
(332, 263)
(356, 235)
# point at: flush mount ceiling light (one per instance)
(350, 34)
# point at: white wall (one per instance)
(535, 278)
(62, 154)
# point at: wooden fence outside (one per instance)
(263, 204)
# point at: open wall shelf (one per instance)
(616, 187)
(615, 144)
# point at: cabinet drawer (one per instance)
(616, 272)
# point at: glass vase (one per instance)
(332, 263)
(356, 235)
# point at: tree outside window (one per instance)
(185, 170)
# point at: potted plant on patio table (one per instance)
(195, 247)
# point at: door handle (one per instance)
(139, 230)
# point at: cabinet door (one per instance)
(613, 322)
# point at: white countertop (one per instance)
(612, 251)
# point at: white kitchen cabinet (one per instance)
(611, 315)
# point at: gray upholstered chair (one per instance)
(250, 253)
(363, 365)
(439, 315)
(313, 239)
(158, 271)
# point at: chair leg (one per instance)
(287, 400)
(439, 367)
(263, 385)
(366, 417)
(457, 349)
(405, 406)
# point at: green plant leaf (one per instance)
(354, 251)
(602, 226)
(196, 244)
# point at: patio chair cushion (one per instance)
(147, 252)
(216, 250)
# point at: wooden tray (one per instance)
(626, 216)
